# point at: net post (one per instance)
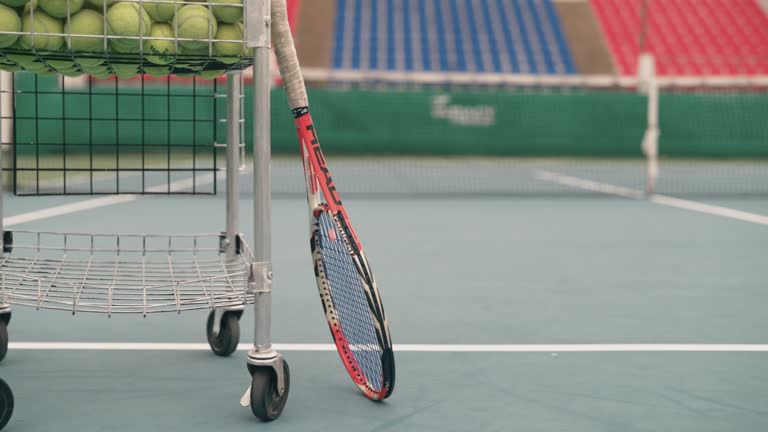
(234, 91)
(648, 84)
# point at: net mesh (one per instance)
(349, 300)
(84, 136)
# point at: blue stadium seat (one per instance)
(502, 36)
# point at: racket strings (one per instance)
(349, 300)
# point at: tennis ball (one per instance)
(195, 54)
(157, 71)
(194, 22)
(13, 3)
(21, 59)
(210, 74)
(127, 19)
(29, 62)
(190, 58)
(98, 5)
(95, 69)
(8, 65)
(89, 62)
(9, 22)
(61, 65)
(125, 71)
(228, 14)
(89, 23)
(101, 75)
(232, 51)
(163, 51)
(161, 12)
(60, 8)
(189, 67)
(43, 26)
(71, 73)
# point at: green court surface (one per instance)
(496, 271)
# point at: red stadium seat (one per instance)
(688, 37)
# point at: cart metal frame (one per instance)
(269, 372)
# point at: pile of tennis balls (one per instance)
(134, 28)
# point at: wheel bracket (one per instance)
(272, 359)
(218, 316)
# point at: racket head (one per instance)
(352, 305)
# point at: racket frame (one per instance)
(318, 181)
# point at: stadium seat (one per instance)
(502, 36)
(688, 37)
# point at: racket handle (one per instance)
(287, 60)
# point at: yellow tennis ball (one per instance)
(72, 73)
(9, 66)
(23, 60)
(161, 11)
(9, 22)
(194, 22)
(14, 3)
(157, 71)
(98, 5)
(162, 51)
(95, 69)
(190, 58)
(89, 61)
(125, 71)
(229, 52)
(101, 75)
(202, 51)
(228, 14)
(60, 8)
(127, 19)
(88, 23)
(40, 32)
(61, 65)
(210, 74)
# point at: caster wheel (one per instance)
(225, 343)
(266, 403)
(6, 403)
(3, 339)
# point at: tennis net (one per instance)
(493, 134)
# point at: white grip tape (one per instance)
(287, 59)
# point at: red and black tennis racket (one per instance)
(347, 288)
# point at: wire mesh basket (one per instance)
(111, 274)
(103, 38)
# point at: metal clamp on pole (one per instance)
(257, 35)
(260, 277)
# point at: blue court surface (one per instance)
(589, 311)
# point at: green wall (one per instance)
(509, 123)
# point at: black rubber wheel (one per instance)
(3, 339)
(266, 403)
(229, 334)
(6, 403)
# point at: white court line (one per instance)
(105, 201)
(444, 348)
(664, 200)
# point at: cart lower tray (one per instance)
(109, 274)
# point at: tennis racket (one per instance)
(347, 288)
